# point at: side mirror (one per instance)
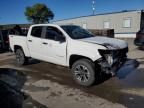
(60, 38)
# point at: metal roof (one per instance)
(123, 11)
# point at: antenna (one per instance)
(93, 6)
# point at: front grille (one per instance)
(116, 53)
(120, 53)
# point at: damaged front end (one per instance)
(113, 60)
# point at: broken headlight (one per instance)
(109, 58)
(107, 55)
(112, 55)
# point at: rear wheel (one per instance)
(20, 57)
(142, 47)
(83, 72)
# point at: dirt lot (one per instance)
(51, 86)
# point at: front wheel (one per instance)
(141, 47)
(20, 57)
(83, 72)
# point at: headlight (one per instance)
(109, 58)
(111, 55)
(107, 55)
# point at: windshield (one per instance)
(77, 32)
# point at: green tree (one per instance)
(39, 13)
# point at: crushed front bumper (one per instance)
(121, 66)
(115, 61)
(129, 66)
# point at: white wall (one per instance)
(125, 35)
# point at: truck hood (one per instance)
(110, 43)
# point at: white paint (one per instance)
(104, 40)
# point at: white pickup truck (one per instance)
(72, 46)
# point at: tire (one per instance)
(20, 57)
(141, 47)
(83, 72)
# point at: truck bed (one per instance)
(19, 40)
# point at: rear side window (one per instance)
(36, 31)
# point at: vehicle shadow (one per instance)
(140, 48)
(61, 74)
(33, 61)
(4, 51)
(11, 83)
(102, 78)
(11, 95)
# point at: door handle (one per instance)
(44, 43)
(30, 40)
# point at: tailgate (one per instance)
(17, 40)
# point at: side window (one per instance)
(52, 33)
(84, 25)
(127, 23)
(106, 24)
(36, 31)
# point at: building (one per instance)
(125, 23)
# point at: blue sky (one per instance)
(12, 11)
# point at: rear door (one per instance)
(54, 50)
(34, 42)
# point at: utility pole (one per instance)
(93, 7)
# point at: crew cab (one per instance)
(74, 47)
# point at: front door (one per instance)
(54, 49)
